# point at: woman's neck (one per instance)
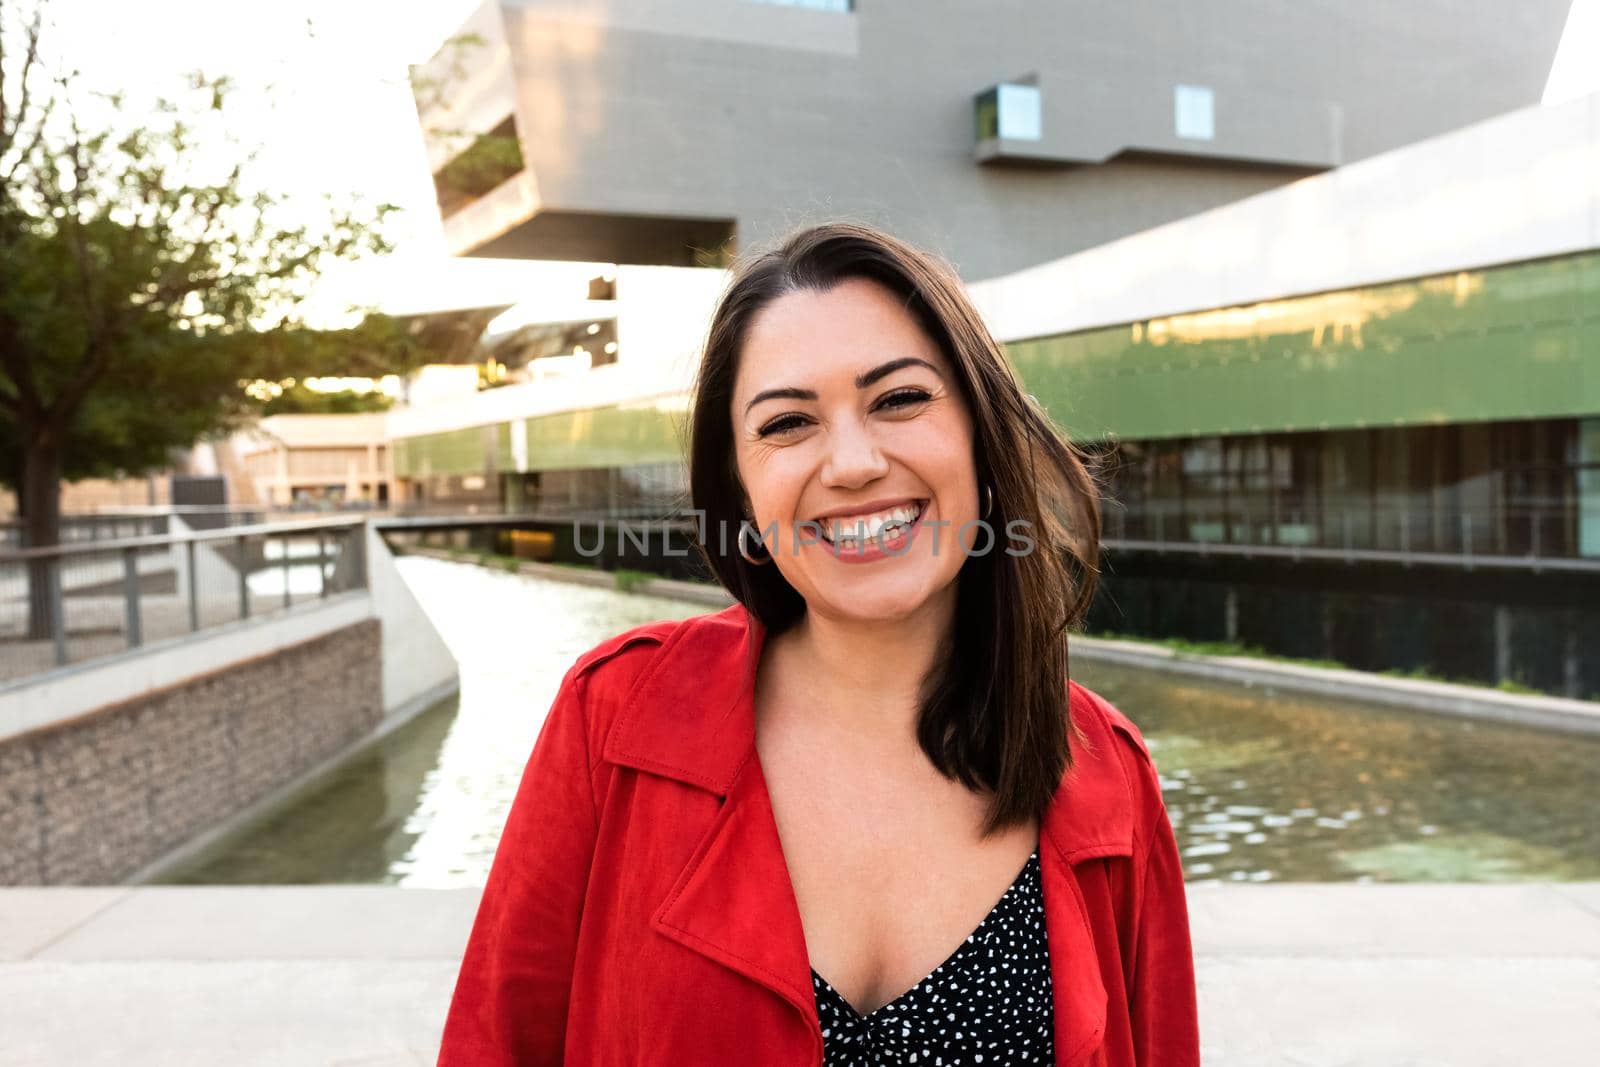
(866, 678)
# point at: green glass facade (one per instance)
(1511, 342)
(1456, 413)
(474, 450)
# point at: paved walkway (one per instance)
(359, 976)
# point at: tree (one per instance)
(141, 288)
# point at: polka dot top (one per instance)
(989, 1002)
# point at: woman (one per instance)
(861, 816)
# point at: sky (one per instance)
(1576, 70)
(344, 121)
(341, 118)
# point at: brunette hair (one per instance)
(995, 712)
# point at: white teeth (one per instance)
(850, 533)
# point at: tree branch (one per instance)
(16, 368)
(8, 129)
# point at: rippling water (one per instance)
(1261, 785)
(1266, 785)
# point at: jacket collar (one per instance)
(691, 717)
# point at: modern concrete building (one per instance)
(1002, 134)
(596, 428)
(1313, 281)
(1355, 418)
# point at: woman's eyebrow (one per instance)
(863, 380)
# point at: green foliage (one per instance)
(490, 159)
(140, 290)
(627, 580)
(1183, 646)
(479, 161)
(298, 399)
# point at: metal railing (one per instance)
(1547, 538)
(69, 603)
(113, 524)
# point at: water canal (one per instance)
(1261, 785)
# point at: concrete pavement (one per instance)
(360, 976)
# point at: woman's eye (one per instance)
(781, 425)
(903, 398)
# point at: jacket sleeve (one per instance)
(511, 995)
(1162, 994)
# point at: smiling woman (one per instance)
(862, 815)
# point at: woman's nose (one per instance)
(854, 458)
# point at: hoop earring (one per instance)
(988, 502)
(744, 528)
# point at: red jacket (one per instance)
(639, 911)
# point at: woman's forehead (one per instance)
(852, 327)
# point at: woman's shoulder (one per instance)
(657, 633)
(1085, 701)
(614, 666)
(639, 638)
(1114, 748)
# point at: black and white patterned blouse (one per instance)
(989, 1002)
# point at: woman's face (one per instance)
(846, 415)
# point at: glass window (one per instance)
(1020, 118)
(1589, 487)
(1013, 112)
(817, 5)
(1195, 112)
(1205, 495)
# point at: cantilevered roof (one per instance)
(1524, 185)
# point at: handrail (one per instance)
(226, 533)
(1460, 560)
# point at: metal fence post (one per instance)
(284, 541)
(130, 595)
(244, 586)
(358, 537)
(322, 572)
(194, 588)
(58, 611)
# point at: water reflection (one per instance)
(1261, 785)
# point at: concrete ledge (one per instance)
(361, 975)
(1445, 698)
(68, 692)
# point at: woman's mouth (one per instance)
(854, 533)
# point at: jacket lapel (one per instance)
(691, 716)
(735, 903)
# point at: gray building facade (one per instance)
(1000, 133)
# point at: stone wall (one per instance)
(94, 799)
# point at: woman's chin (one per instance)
(862, 603)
